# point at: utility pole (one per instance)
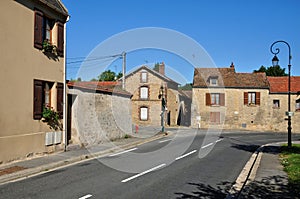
(123, 69)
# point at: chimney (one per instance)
(232, 65)
(161, 68)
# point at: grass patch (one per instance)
(290, 159)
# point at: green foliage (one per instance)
(290, 159)
(188, 86)
(52, 118)
(109, 76)
(272, 71)
(156, 67)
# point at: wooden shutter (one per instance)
(208, 99)
(257, 98)
(60, 99)
(60, 39)
(38, 30)
(245, 98)
(222, 99)
(37, 99)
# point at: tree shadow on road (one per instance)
(274, 187)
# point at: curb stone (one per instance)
(27, 173)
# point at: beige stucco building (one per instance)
(32, 73)
(148, 87)
(223, 98)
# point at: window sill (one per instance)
(252, 105)
(276, 107)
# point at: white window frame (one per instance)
(144, 113)
(144, 77)
(251, 97)
(215, 98)
(144, 90)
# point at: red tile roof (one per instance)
(228, 78)
(280, 84)
(103, 87)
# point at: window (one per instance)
(144, 113)
(144, 77)
(298, 105)
(144, 92)
(213, 81)
(252, 98)
(215, 117)
(42, 98)
(47, 29)
(276, 103)
(43, 27)
(217, 99)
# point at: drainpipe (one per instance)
(65, 88)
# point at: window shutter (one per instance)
(38, 30)
(208, 99)
(222, 99)
(245, 98)
(257, 98)
(60, 39)
(60, 97)
(37, 99)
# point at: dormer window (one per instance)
(213, 81)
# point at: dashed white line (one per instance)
(143, 173)
(178, 158)
(207, 145)
(123, 152)
(219, 140)
(162, 141)
(86, 196)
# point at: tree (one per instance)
(188, 86)
(156, 67)
(109, 76)
(272, 71)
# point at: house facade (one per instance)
(149, 87)
(225, 99)
(278, 97)
(32, 75)
(97, 112)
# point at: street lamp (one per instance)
(275, 61)
(163, 107)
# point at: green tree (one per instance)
(188, 86)
(272, 71)
(109, 75)
(156, 67)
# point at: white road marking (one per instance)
(162, 141)
(123, 152)
(86, 196)
(207, 145)
(219, 140)
(143, 173)
(178, 158)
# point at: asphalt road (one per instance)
(188, 164)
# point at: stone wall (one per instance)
(98, 117)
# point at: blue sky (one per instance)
(236, 31)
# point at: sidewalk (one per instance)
(31, 166)
(270, 179)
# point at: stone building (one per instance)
(32, 76)
(147, 86)
(97, 112)
(223, 98)
(278, 97)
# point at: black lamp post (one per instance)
(275, 61)
(163, 107)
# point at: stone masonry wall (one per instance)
(100, 117)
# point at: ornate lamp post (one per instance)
(163, 107)
(275, 61)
